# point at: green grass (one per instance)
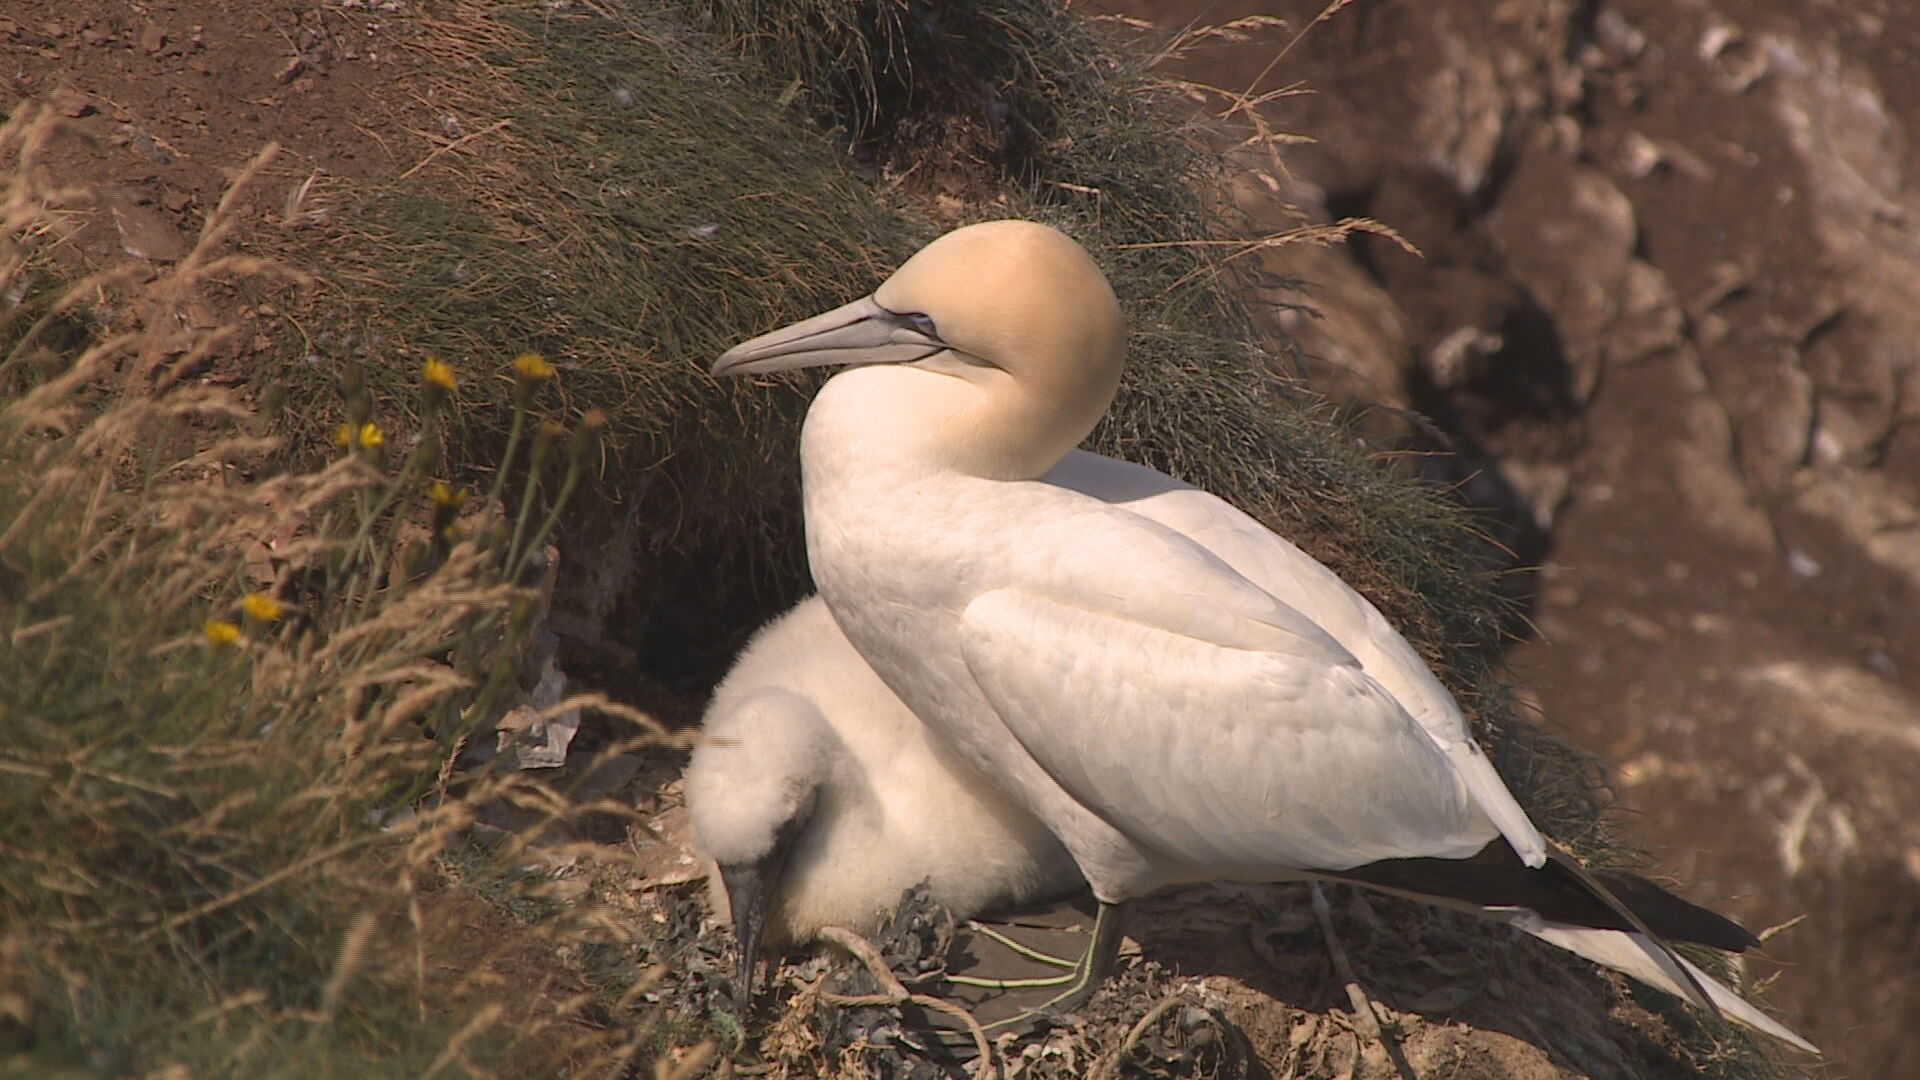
(670, 179)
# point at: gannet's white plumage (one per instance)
(1167, 718)
(1178, 695)
(1304, 584)
(802, 734)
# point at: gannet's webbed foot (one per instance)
(1092, 969)
(1094, 966)
(1011, 945)
(1009, 984)
(1018, 949)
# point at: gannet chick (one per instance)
(822, 799)
(1173, 707)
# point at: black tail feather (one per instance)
(1563, 891)
(1564, 863)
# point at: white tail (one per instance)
(1632, 955)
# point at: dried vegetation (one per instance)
(229, 694)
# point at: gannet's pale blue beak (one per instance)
(862, 332)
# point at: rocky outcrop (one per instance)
(1666, 316)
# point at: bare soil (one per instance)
(165, 102)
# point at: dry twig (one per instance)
(894, 993)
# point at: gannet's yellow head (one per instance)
(1015, 310)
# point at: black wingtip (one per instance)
(1563, 861)
(1564, 891)
(1674, 918)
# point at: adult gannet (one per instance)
(1172, 708)
(821, 799)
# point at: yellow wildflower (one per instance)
(343, 435)
(438, 372)
(221, 632)
(263, 607)
(450, 497)
(371, 437)
(532, 367)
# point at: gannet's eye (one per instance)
(919, 323)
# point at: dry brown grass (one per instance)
(228, 699)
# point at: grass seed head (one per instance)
(586, 437)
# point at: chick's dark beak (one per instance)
(747, 887)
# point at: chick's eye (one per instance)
(919, 323)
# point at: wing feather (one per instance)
(1304, 585)
(1232, 761)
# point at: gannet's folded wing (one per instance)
(1233, 761)
(1296, 579)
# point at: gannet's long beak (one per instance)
(862, 332)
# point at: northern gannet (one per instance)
(1173, 707)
